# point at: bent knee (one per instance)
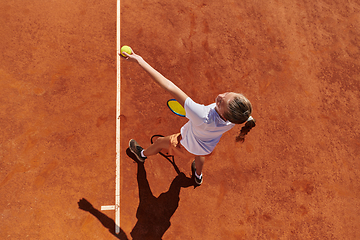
(163, 142)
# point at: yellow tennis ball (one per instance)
(126, 49)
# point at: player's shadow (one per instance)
(154, 213)
(105, 220)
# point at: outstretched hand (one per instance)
(133, 57)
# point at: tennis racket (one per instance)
(176, 107)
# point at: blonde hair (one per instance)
(239, 111)
(245, 130)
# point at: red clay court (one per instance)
(296, 176)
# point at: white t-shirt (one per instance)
(204, 129)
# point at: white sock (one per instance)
(142, 154)
(199, 177)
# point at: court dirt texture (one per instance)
(296, 175)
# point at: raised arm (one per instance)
(165, 83)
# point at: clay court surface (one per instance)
(296, 176)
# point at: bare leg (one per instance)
(157, 146)
(199, 163)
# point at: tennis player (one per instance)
(199, 136)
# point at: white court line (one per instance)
(111, 207)
(117, 180)
(116, 207)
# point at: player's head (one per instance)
(233, 107)
(237, 109)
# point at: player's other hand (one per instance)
(133, 57)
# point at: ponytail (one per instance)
(250, 123)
